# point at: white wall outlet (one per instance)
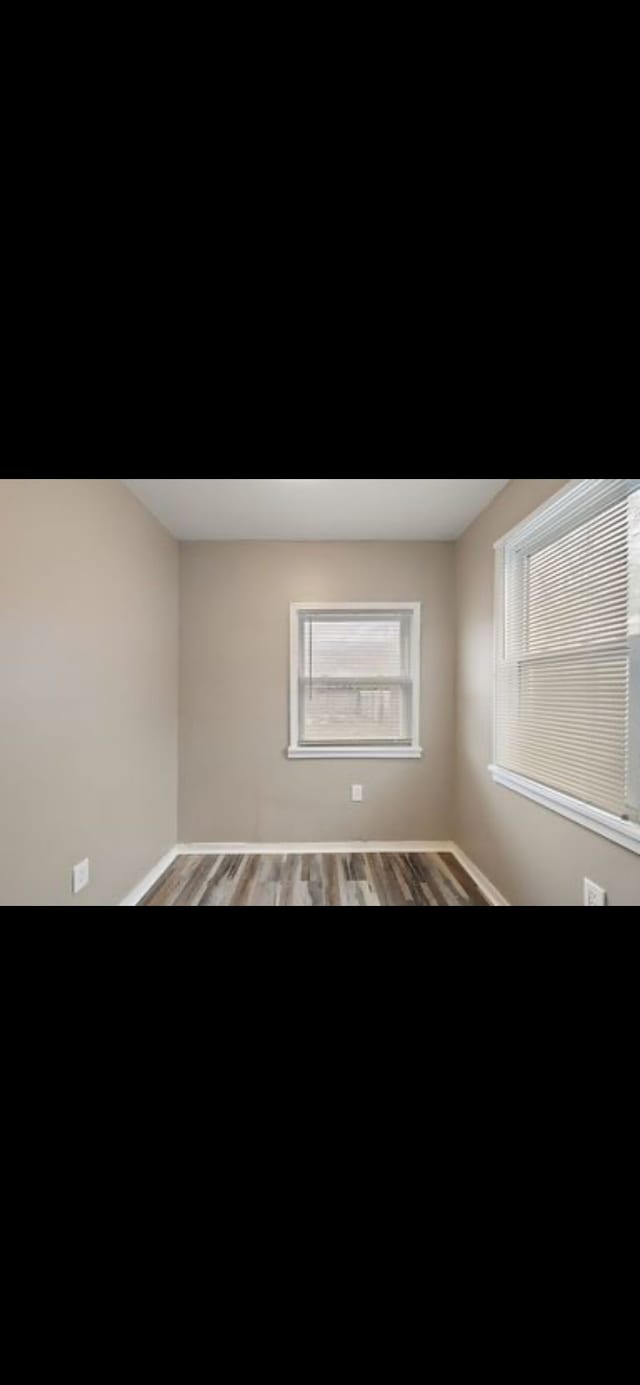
(80, 878)
(357, 793)
(594, 895)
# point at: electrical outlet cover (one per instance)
(594, 895)
(80, 878)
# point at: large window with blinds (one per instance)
(567, 711)
(355, 681)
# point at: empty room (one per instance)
(303, 693)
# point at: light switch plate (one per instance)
(80, 878)
(357, 793)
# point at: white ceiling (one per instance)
(316, 509)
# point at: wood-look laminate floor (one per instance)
(288, 881)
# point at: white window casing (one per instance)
(355, 681)
(567, 658)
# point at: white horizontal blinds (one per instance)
(633, 786)
(355, 679)
(563, 687)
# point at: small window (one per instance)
(567, 717)
(355, 682)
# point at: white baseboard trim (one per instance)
(142, 888)
(304, 848)
(489, 891)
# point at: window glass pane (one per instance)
(351, 715)
(355, 648)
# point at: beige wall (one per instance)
(88, 690)
(534, 856)
(236, 783)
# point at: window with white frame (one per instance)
(567, 710)
(355, 681)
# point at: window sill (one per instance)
(349, 752)
(626, 834)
